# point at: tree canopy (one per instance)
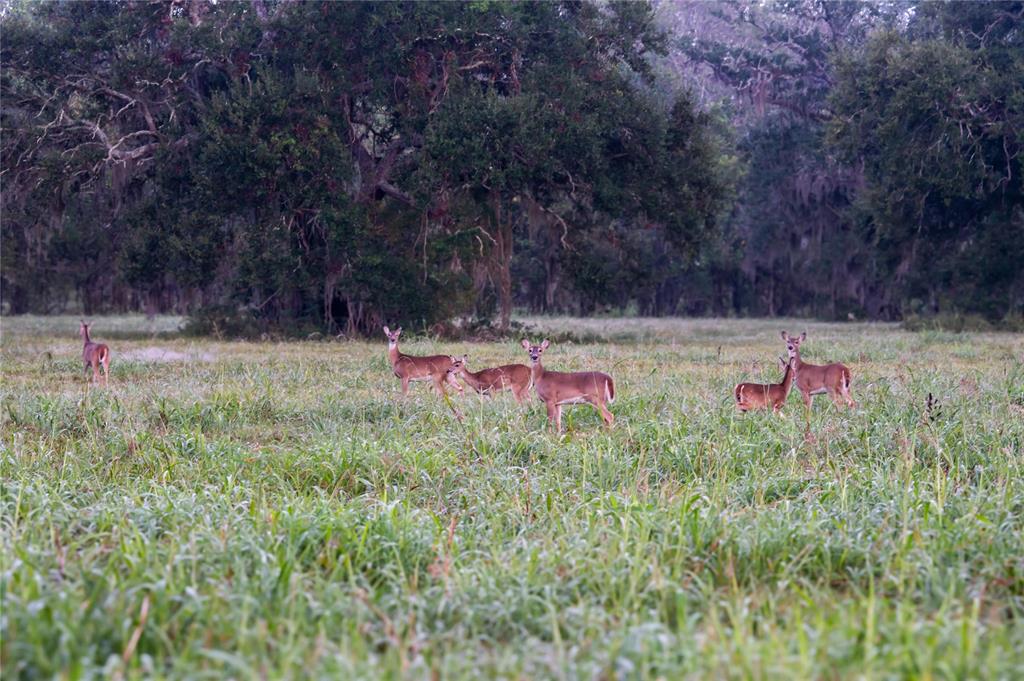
(330, 166)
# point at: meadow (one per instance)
(276, 510)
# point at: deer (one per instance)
(814, 379)
(556, 389)
(514, 377)
(751, 396)
(94, 355)
(410, 368)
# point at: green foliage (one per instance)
(333, 164)
(934, 123)
(337, 165)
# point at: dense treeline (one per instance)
(880, 152)
(311, 165)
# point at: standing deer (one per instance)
(813, 379)
(556, 389)
(757, 396)
(516, 377)
(94, 354)
(409, 368)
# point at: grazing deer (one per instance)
(813, 379)
(514, 377)
(94, 354)
(409, 368)
(556, 389)
(757, 396)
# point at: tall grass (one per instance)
(278, 510)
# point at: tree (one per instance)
(292, 160)
(935, 124)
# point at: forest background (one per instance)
(298, 167)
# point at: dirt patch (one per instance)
(152, 354)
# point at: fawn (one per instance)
(514, 377)
(409, 368)
(94, 355)
(814, 379)
(555, 388)
(758, 396)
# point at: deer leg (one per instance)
(95, 371)
(455, 383)
(439, 384)
(847, 397)
(835, 399)
(106, 370)
(551, 412)
(558, 418)
(405, 387)
(807, 400)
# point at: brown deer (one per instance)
(409, 368)
(758, 396)
(94, 355)
(514, 377)
(556, 389)
(814, 379)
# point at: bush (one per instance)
(960, 323)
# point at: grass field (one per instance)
(276, 510)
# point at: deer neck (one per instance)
(536, 371)
(473, 379)
(797, 362)
(85, 337)
(787, 378)
(393, 353)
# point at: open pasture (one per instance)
(277, 510)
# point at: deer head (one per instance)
(535, 351)
(793, 343)
(458, 363)
(392, 335)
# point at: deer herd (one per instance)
(557, 388)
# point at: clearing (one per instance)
(277, 510)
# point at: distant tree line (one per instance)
(331, 166)
(879, 150)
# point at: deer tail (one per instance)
(609, 390)
(846, 378)
(738, 392)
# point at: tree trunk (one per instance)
(551, 281)
(503, 261)
(328, 303)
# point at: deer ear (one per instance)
(545, 344)
(398, 331)
(465, 358)
(785, 336)
(387, 330)
(526, 344)
(803, 336)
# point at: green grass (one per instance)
(276, 510)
